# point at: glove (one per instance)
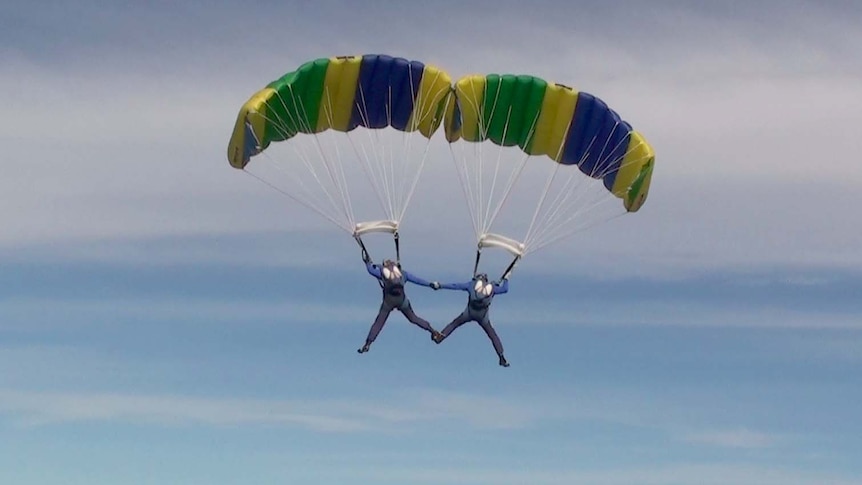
(435, 285)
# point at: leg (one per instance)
(459, 320)
(377, 326)
(415, 319)
(495, 340)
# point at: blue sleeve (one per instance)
(416, 280)
(500, 289)
(373, 270)
(456, 286)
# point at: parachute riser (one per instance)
(397, 248)
(365, 256)
(513, 247)
(378, 226)
(510, 268)
(506, 274)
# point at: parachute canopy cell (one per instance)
(341, 93)
(553, 120)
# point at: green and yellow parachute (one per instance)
(553, 120)
(536, 119)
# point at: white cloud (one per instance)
(133, 146)
(38, 408)
(399, 412)
(296, 307)
(27, 312)
(679, 474)
(736, 438)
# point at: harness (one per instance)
(393, 289)
(480, 305)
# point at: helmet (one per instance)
(483, 288)
(391, 271)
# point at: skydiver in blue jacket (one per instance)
(392, 279)
(480, 292)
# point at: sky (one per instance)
(166, 319)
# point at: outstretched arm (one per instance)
(499, 288)
(416, 280)
(456, 286)
(373, 270)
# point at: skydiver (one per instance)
(480, 293)
(392, 279)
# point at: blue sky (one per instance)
(166, 319)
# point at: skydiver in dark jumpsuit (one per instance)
(480, 293)
(392, 279)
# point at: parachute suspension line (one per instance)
(534, 227)
(385, 159)
(462, 177)
(374, 157)
(375, 165)
(347, 229)
(408, 167)
(395, 235)
(487, 211)
(547, 223)
(604, 173)
(306, 159)
(572, 232)
(398, 171)
(415, 182)
(471, 167)
(482, 202)
(553, 231)
(392, 178)
(305, 127)
(431, 111)
(365, 163)
(562, 235)
(462, 168)
(602, 169)
(547, 187)
(309, 200)
(489, 207)
(282, 129)
(335, 169)
(515, 175)
(550, 223)
(390, 160)
(329, 113)
(565, 228)
(623, 157)
(605, 161)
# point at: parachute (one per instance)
(317, 109)
(599, 157)
(567, 154)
